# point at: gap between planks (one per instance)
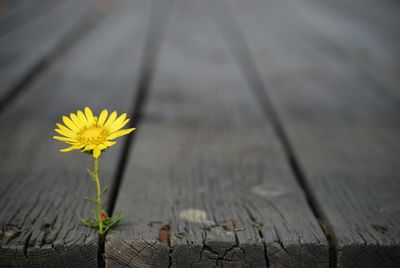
(85, 24)
(235, 40)
(158, 20)
(81, 55)
(126, 249)
(287, 62)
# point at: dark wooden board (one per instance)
(344, 139)
(364, 38)
(27, 43)
(207, 182)
(19, 14)
(42, 190)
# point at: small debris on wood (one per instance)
(257, 226)
(46, 228)
(10, 231)
(164, 234)
(195, 215)
(227, 225)
(240, 229)
(325, 228)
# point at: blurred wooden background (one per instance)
(268, 132)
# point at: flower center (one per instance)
(93, 135)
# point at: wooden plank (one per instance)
(207, 183)
(364, 37)
(42, 189)
(21, 13)
(344, 139)
(26, 47)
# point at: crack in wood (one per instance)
(258, 226)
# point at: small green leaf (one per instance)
(85, 221)
(95, 215)
(89, 223)
(104, 191)
(91, 174)
(111, 222)
(94, 201)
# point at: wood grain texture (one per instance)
(207, 183)
(345, 139)
(28, 39)
(42, 190)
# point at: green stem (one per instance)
(96, 173)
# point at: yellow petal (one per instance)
(82, 117)
(120, 133)
(89, 115)
(64, 139)
(73, 147)
(88, 148)
(117, 124)
(67, 149)
(70, 124)
(111, 119)
(109, 143)
(102, 117)
(102, 146)
(96, 152)
(122, 124)
(76, 121)
(64, 131)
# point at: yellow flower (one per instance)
(90, 133)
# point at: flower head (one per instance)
(86, 132)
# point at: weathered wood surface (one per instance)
(366, 34)
(207, 183)
(42, 190)
(343, 128)
(33, 32)
(246, 101)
